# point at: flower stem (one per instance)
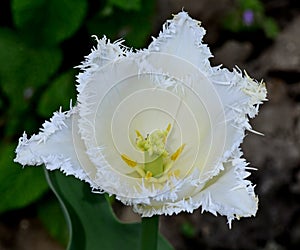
(149, 233)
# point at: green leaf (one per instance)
(48, 21)
(126, 4)
(92, 224)
(63, 89)
(24, 68)
(19, 187)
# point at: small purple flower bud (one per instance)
(248, 17)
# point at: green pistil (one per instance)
(154, 150)
(154, 164)
(157, 162)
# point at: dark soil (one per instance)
(277, 154)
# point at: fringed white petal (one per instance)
(105, 53)
(182, 37)
(241, 97)
(56, 146)
(227, 194)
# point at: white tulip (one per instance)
(158, 128)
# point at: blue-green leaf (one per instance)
(91, 221)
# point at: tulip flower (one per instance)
(158, 128)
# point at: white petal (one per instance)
(182, 37)
(105, 53)
(229, 194)
(58, 146)
(241, 97)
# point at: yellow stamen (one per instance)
(148, 175)
(138, 133)
(129, 162)
(177, 153)
(158, 163)
(167, 132)
(168, 128)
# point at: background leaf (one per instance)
(58, 94)
(23, 66)
(24, 70)
(19, 187)
(48, 21)
(90, 218)
(133, 26)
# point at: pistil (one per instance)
(157, 160)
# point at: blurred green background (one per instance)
(40, 43)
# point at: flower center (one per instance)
(157, 160)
